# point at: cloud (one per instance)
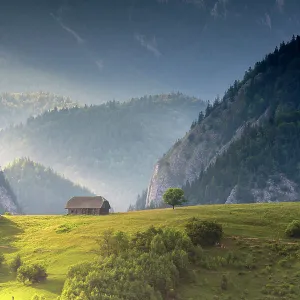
(198, 3)
(68, 29)
(280, 4)
(150, 45)
(219, 9)
(99, 64)
(58, 17)
(267, 21)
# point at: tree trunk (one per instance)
(173, 206)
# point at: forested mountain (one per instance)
(8, 201)
(109, 148)
(40, 190)
(246, 148)
(17, 107)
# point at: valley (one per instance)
(251, 232)
(106, 195)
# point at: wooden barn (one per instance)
(88, 206)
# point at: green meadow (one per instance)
(270, 269)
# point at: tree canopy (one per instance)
(174, 197)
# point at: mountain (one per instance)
(8, 200)
(18, 107)
(110, 148)
(87, 48)
(246, 147)
(39, 189)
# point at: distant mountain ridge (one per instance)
(246, 147)
(18, 107)
(109, 148)
(40, 190)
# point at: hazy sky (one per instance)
(98, 50)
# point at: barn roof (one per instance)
(86, 202)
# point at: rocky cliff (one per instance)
(200, 147)
(8, 202)
(223, 156)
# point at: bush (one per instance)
(7, 213)
(16, 263)
(224, 283)
(146, 265)
(32, 273)
(37, 297)
(293, 229)
(2, 259)
(204, 233)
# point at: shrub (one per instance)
(224, 283)
(15, 263)
(204, 233)
(2, 259)
(293, 229)
(146, 265)
(7, 213)
(37, 297)
(32, 273)
(65, 228)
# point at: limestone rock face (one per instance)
(8, 202)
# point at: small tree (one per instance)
(16, 263)
(32, 273)
(293, 229)
(174, 196)
(204, 233)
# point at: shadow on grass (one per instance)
(9, 232)
(6, 274)
(52, 285)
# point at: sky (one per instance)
(95, 51)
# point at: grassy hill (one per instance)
(269, 269)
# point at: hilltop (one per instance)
(245, 147)
(252, 232)
(40, 190)
(109, 148)
(16, 108)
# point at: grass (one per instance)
(251, 233)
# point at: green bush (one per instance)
(7, 213)
(224, 282)
(37, 297)
(16, 263)
(32, 273)
(293, 229)
(65, 228)
(204, 233)
(146, 265)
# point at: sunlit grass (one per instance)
(45, 239)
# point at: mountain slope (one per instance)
(266, 100)
(8, 201)
(16, 107)
(39, 189)
(109, 148)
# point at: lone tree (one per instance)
(174, 196)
